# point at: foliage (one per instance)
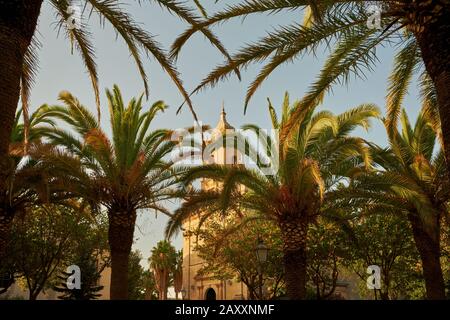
(162, 261)
(339, 27)
(411, 182)
(149, 283)
(123, 173)
(139, 42)
(142, 285)
(319, 155)
(230, 253)
(43, 240)
(91, 254)
(131, 160)
(385, 241)
(326, 254)
(322, 174)
(90, 277)
(322, 138)
(136, 277)
(27, 180)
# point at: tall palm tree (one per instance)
(316, 158)
(419, 30)
(412, 181)
(19, 44)
(162, 261)
(124, 173)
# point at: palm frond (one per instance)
(81, 39)
(405, 64)
(27, 79)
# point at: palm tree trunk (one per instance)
(294, 233)
(429, 250)
(162, 280)
(121, 231)
(18, 20)
(165, 284)
(434, 41)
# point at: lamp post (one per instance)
(261, 255)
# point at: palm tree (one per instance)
(412, 181)
(177, 274)
(317, 157)
(162, 262)
(19, 44)
(124, 173)
(26, 180)
(419, 30)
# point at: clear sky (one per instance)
(60, 70)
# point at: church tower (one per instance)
(205, 287)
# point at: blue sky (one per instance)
(60, 70)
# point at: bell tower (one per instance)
(194, 286)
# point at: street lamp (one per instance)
(183, 293)
(261, 255)
(261, 251)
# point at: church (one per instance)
(196, 287)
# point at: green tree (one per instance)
(418, 30)
(136, 277)
(124, 173)
(151, 293)
(386, 241)
(228, 251)
(90, 277)
(325, 258)
(313, 159)
(43, 238)
(162, 262)
(412, 180)
(90, 253)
